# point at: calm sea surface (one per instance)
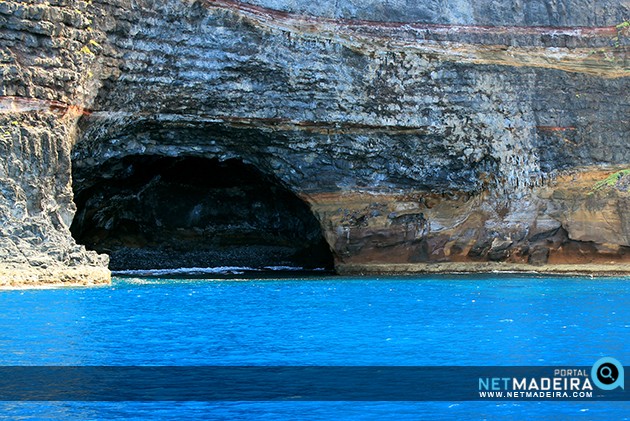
(477, 320)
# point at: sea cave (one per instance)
(156, 212)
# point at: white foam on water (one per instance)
(225, 270)
(292, 268)
(235, 270)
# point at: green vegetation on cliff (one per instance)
(611, 180)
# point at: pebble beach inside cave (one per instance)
(274, 209)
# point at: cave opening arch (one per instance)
(159, 212)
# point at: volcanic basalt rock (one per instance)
(438, 132)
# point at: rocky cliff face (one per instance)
(45, 81)
(454, 131)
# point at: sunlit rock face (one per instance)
(441, 131)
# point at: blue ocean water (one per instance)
(446, 320)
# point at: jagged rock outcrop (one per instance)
(45, 82)
(437, 132)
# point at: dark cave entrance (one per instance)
(153, 212)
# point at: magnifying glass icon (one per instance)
(607, 374)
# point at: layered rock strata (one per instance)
(460, 132)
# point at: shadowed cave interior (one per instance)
(153, 212)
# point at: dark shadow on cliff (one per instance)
(150, 212)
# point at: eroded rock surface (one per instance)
(453, 131)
